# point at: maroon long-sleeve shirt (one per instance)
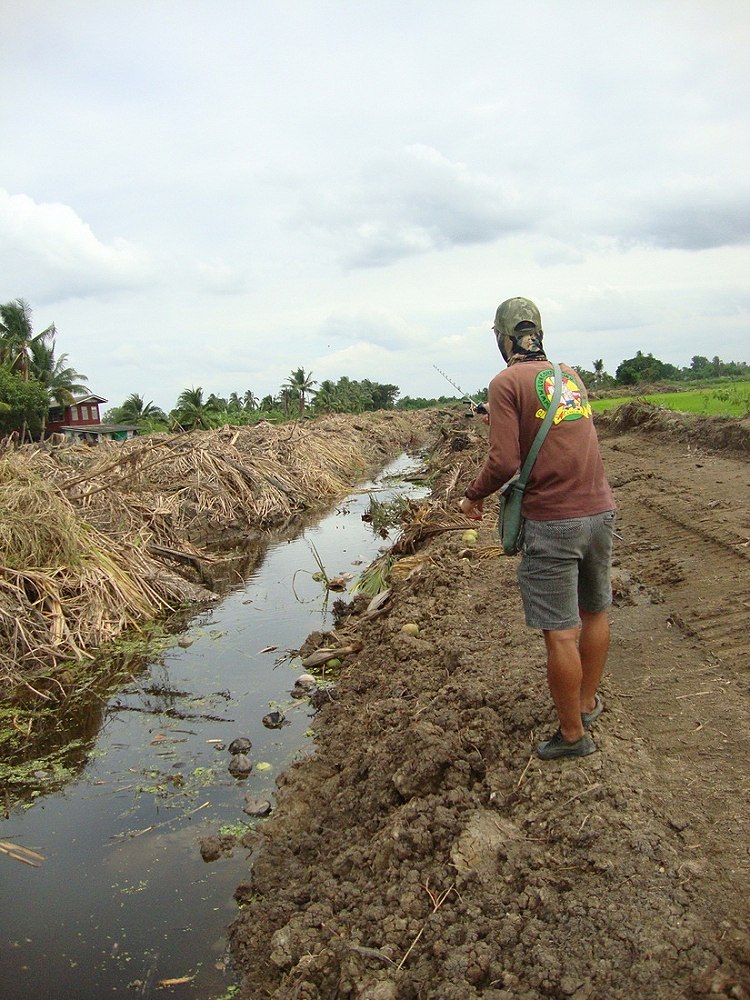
(568, 478)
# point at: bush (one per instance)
(21, 402)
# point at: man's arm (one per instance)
(504, 456)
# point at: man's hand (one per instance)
(471, 508)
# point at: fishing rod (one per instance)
(475, 407)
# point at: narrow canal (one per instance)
(122, 903)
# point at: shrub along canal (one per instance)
(119, 901)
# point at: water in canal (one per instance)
(123, 902)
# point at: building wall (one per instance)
(83, 413)
(79, 414)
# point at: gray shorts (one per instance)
(566, 565)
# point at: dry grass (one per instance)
(86, 534)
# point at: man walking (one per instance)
(565, 569)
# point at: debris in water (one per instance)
(241, 745)
(240, 765)
(328, 653)
(22, 854)
(274, 720)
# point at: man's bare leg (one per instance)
(593, 646)
(564, 677)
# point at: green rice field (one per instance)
(728, 400)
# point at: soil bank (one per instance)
(425, 852)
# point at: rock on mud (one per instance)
(256, 807)
(303, 686)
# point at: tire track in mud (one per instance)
(681, 654)
(690, 532)
(715, 609)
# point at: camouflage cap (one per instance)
(518, 329)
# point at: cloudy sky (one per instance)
(214, 193)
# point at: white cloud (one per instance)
(51, 254)
(218, 198)
(694, 216)
(412, 202)
(217, 276)
(375, 327)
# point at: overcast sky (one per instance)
(215, 193)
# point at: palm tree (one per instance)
(59, 380)
(327, 399)
(301, 385)
(351, 395)
(217, 403)
(287, 395)
(17, 337)
(135, 411)
(250, 400)
(192, 411)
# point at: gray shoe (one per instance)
(558, 747)
(589, 718)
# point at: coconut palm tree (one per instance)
(59, 380)
(191, 411)
(135, 411)
(250, 400)
(327, 399)
(17, 337)
(287, 396)
(301, 384)
(217, 403)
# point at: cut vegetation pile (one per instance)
(95, 541)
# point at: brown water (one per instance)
(123, 900)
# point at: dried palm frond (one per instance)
(429, 520)
(82, 530)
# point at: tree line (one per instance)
(33, 378)
(645, 368)
(297, 397)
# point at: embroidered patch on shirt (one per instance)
(573, 404)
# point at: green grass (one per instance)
(731, 400)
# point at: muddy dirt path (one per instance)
(425, 852)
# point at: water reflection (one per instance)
(123, 900)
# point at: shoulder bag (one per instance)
(511, 522)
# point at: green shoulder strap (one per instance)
(541, 434)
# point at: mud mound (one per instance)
(715, 433)
(425, 852)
